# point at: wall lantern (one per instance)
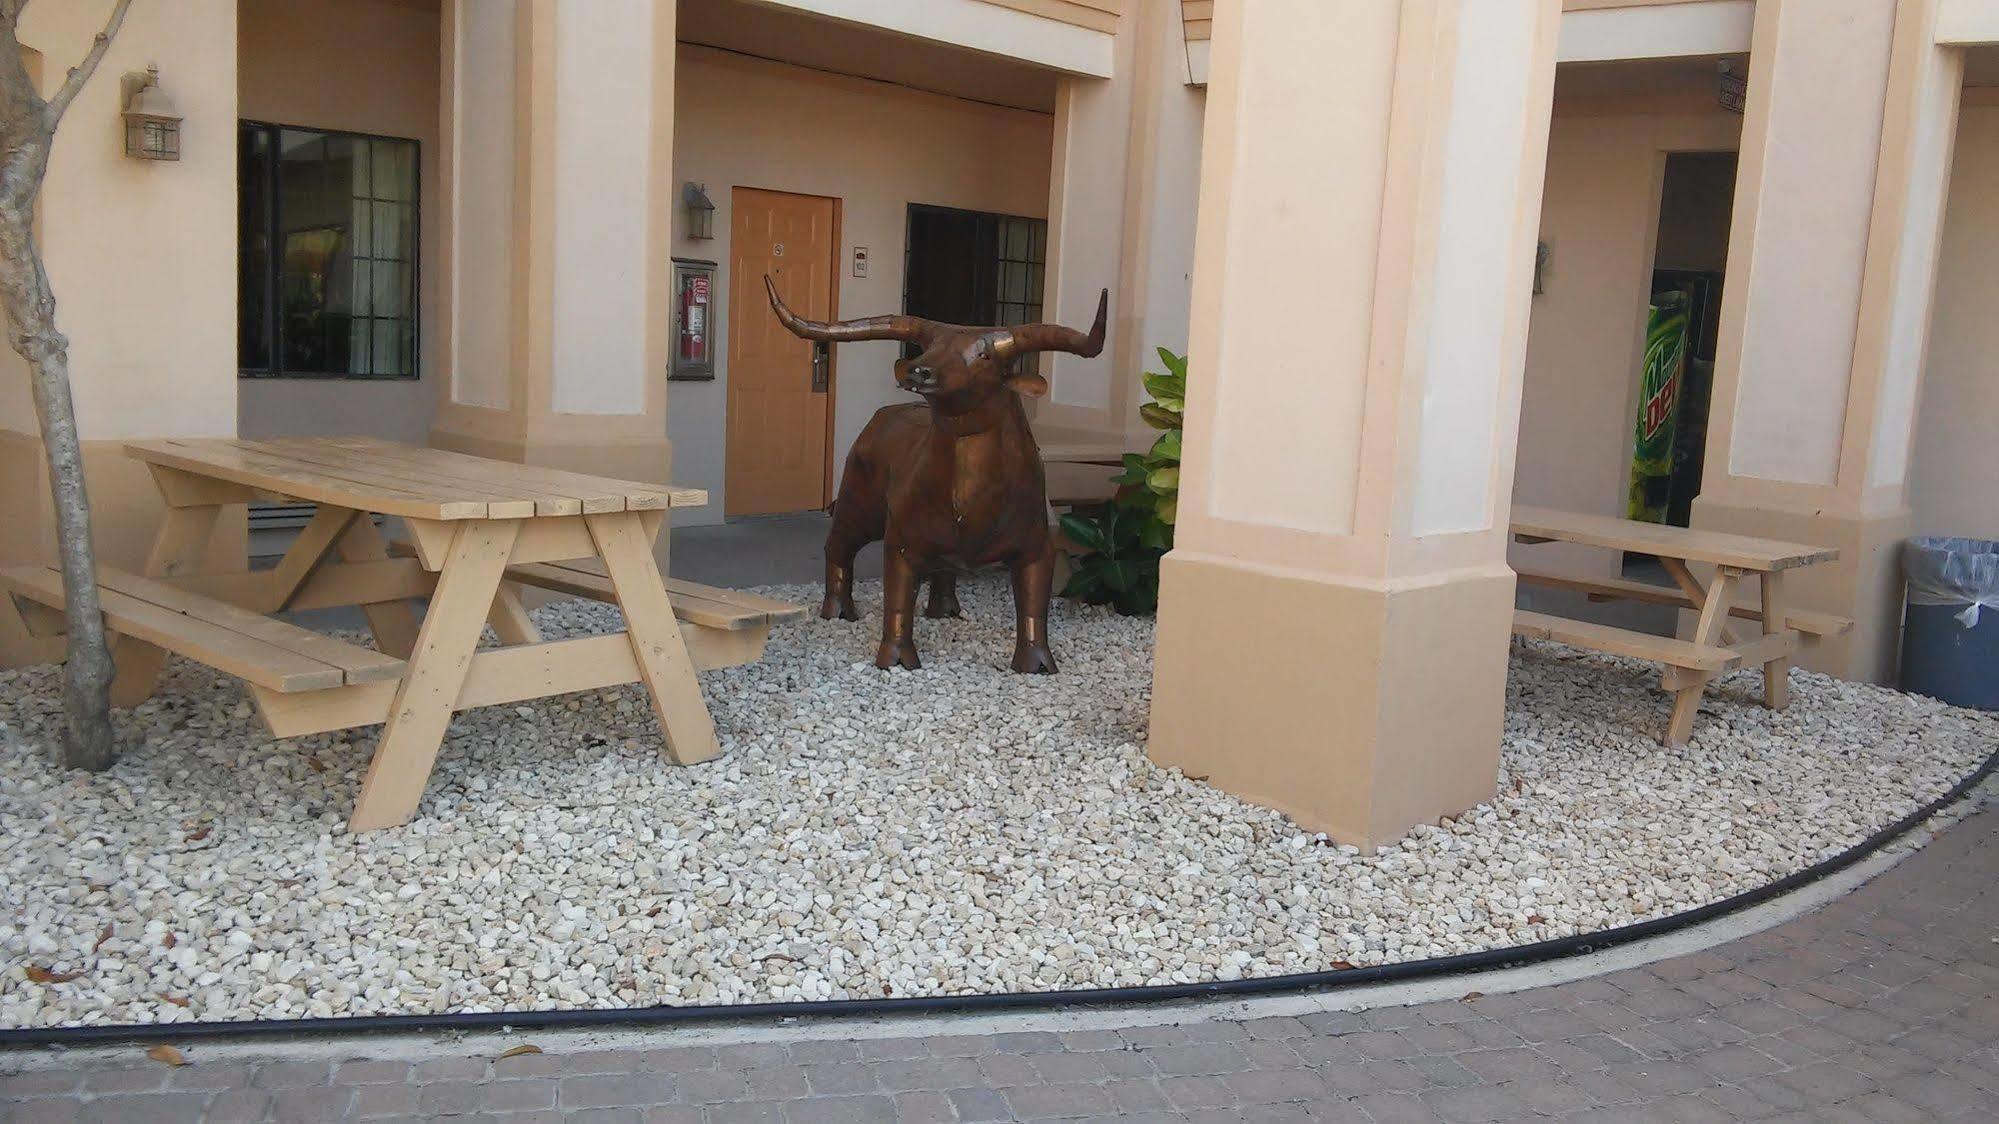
(700, 210)
(152, 126)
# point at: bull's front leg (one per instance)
(1033, 576)
(898, 646)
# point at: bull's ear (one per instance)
(1027, 384)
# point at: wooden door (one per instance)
(777, 435)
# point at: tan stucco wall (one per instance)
(142, 255)
(742, 122)
(142, 259)
(1599, 216)
(365, 66)
(1954, 478)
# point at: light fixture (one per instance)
(152, 125)
(1731, 89)
(700, 210)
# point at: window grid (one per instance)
(1018, 268)
(379, 238)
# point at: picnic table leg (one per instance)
(1691, 586)
(1687, 698)
(392, 622)
(178, 548)
(1776, 673)
(510, 619)
(664, 665)
(436, 672)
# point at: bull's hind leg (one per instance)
(1033, 578)
(943, 596)
(842, 543)
(898, 646)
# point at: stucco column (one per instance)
(1846, 150)
(558, 126)
(1335, 617)
(1122, 188)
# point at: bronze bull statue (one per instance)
(950, 483)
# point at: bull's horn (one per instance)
(1026, 338)
(908, 329)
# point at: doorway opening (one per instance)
(1676, 382)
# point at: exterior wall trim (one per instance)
(1604, 30)
(1967, 23)
(1007, 29)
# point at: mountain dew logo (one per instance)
(1659, 384)
(1659, 409)
(1659, 378)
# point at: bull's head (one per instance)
(958, 366)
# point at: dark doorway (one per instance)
(1695, 206)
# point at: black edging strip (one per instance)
(1515, 956)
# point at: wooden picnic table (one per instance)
(1714, 646)
(479, 530)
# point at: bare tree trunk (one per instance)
(27, 127)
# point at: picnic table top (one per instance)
(1713, 547)
(411, 481)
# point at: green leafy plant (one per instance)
(1123, 541)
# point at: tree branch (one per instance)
(81, 72)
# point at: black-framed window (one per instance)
(973, 267)
(327, 225)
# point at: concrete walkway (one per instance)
(1883, 1005)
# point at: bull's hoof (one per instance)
(941, 607)
(842, 608)
(897, 655)
(1033, 659)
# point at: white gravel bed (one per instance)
(870, 833)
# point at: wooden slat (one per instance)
(1621, 641)
(333, 585)
(462, 469)
(362, 473)
(1713, 547)
(226, 460)
(1199, 31)
(1619, 589)
(278, 667)
(597, 494)
(357, 664)
(705, 605)
(351, 465)
(770, 607)
(505, 675)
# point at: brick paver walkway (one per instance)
(1882, 1006)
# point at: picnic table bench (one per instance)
(1714, 645)
(479, 529)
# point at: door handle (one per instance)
(822, 361)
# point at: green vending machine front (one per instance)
(1661, 379)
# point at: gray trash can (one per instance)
(1950, 631)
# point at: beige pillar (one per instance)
(1335, 617)
(1094, 142)
(1846, 149)
(1122, 189)
(558, 194)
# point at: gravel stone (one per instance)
(868, 833)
